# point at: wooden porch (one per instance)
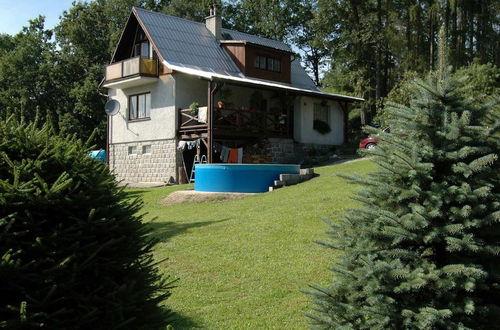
(235, 122)
(240, 124)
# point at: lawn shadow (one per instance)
(179, 321)
(136, 192)
(163, 231)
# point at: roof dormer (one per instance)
(259, 61)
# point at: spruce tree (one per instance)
(421, 252)
(74, 254)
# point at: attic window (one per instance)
(142, 46)
(267, 63)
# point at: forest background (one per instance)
(365, 48)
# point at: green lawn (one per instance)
(242, 264)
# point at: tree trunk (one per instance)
(454, 35)
(431, 38)
(378, 54)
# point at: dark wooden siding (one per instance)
(252, 71)
(244, 57)
(237, 53)
(124, 48)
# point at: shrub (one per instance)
(74, 254)
(422, 251)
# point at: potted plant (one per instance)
(194, 108)
(224, 94)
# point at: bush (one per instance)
(74, 254)
(422, 251)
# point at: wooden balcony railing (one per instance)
(238, 122)
(189, 121)
(131, 67)
(230, 121)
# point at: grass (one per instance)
(243, 264)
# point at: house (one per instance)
(187, 88)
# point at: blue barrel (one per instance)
(100, 155)
(242, 178)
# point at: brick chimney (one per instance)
(214, 23)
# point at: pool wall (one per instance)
(243, 178)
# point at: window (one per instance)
(146, 149)
(322, 112)
(132, 150)
(139, 106)
(267, 63)
(321, 122)
(142, 47)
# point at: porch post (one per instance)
(344, 106)
(210, 105)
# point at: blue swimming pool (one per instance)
(244, 178)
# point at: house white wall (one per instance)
(303, 122)
(162, 122)
(189, 89)
(155, 158)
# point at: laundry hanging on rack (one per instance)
(224, 154)
(189, 144)
(217, 148)
(240, 155)
(181, 145)
(233, 156)
(193, 144)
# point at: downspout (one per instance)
(213, 87)
(210, 122)
(108, 138)
(108, 124)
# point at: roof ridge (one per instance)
(254, 35)
(172, 16)
(226, 29)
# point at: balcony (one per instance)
(131, 72)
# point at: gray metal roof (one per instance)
(186, 43)
(191, 45)
(300, 78)
(237, 35)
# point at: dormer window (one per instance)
(267, 63)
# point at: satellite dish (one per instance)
(112, 107)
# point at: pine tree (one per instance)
(422, 251)
(74, 254)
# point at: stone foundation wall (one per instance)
(322, 148)
(282, 151)
(153, 161)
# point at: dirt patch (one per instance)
(191, 196)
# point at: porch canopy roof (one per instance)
(254, 82)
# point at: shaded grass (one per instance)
(243, 263)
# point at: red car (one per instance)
(370, 142)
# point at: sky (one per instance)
(14, 14)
